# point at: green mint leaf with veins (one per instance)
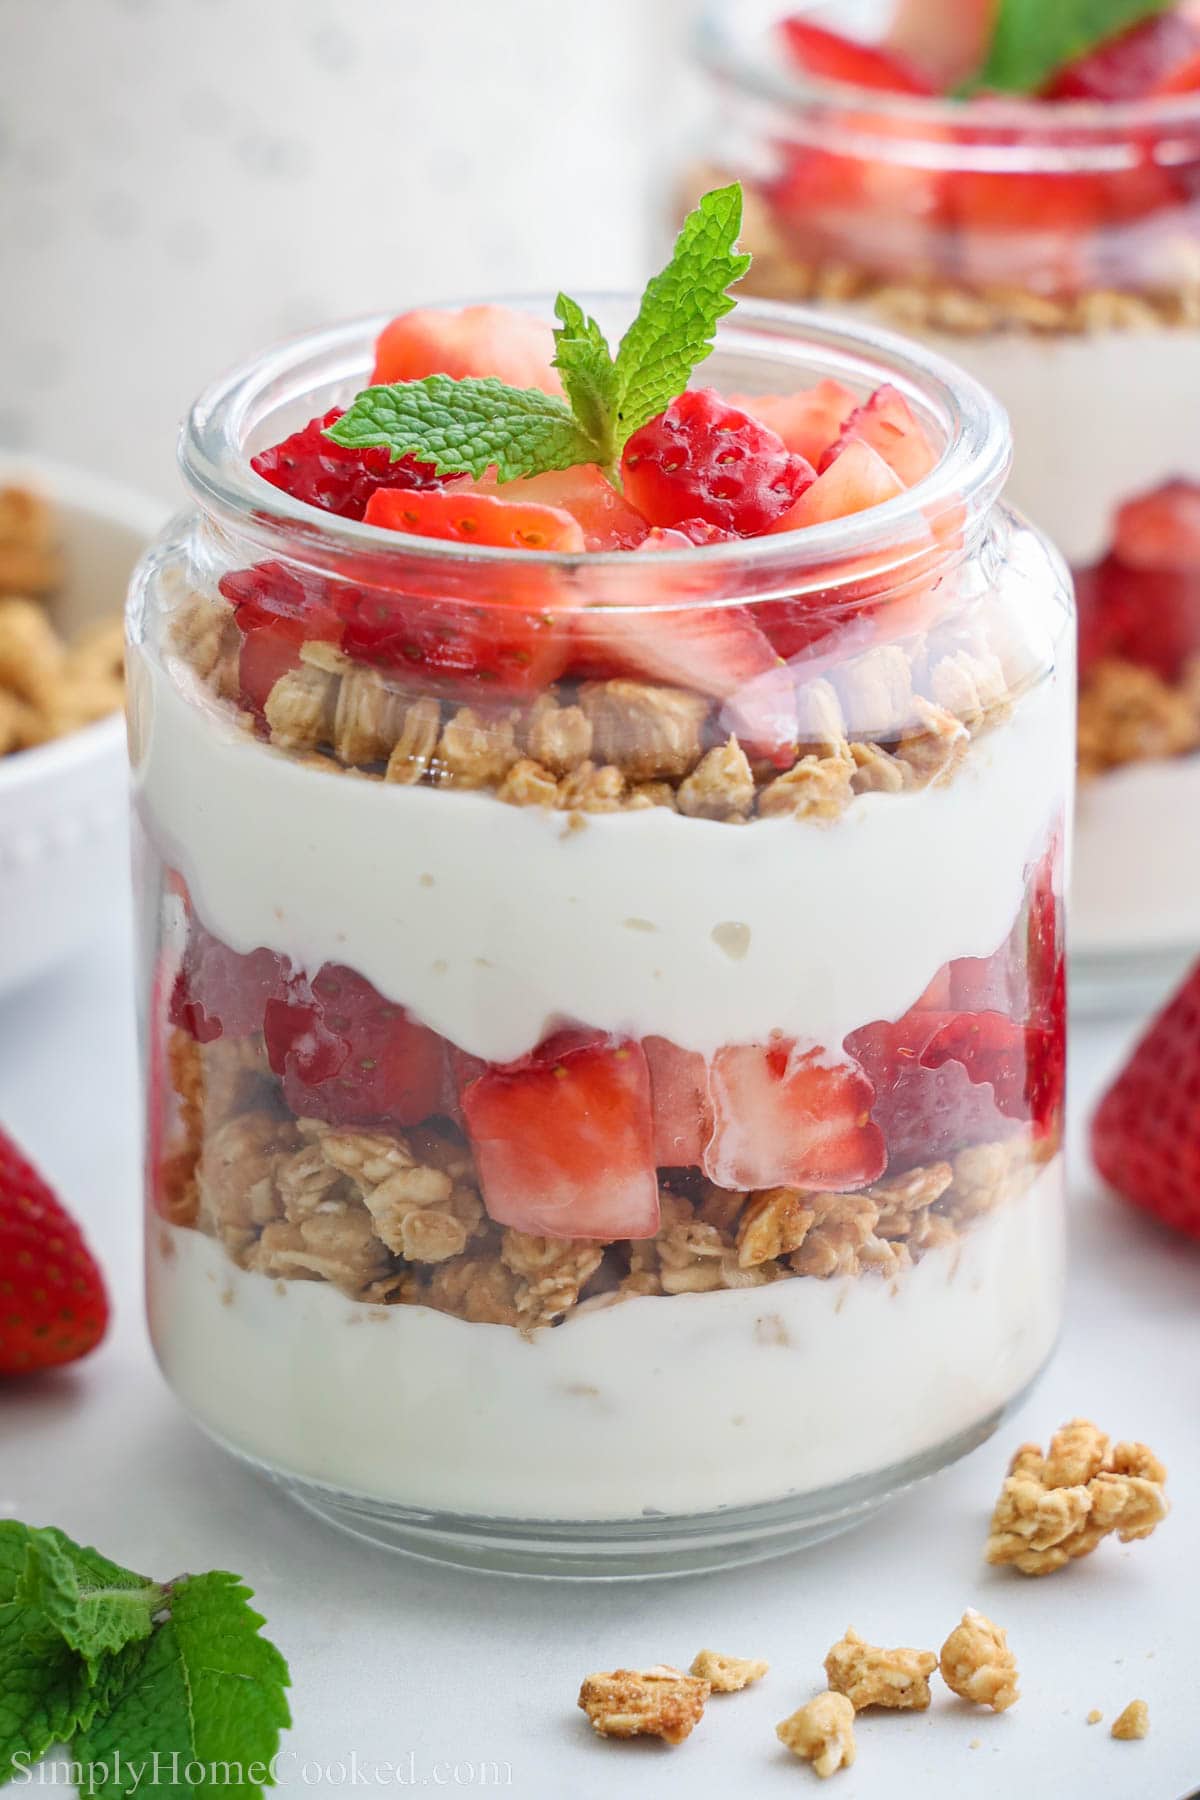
(206, 1686)
(45, 1689)
(1033, 39)
(93, 1605)
(677, 319)
(589, 375)
(463, 427)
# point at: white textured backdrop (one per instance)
(184, 180)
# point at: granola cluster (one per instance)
(663, 1702)
(977, 1664)
(397, 1217)
(1056, 1507)
(869, 1676)
(889, 720)
(1129, 714)
(48, 687)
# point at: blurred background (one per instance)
(182, 181)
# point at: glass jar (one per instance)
(574, 1095)
(1054, 251)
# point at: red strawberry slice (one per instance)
(705, 459)
(310, 466)
(563, 1139)
(785, 1116)
(219, 992)
(683, 1115)
(855, 478)
(606, 518)
(349, 1056)
(832, 57)
(1148, 616)
(53, 1304)
(467, 514)
(992, 1049)
(807, 421)
(923, 1112)
(946, 39)
(1161, 529)
(887, 423)
(1146, 1131)
(1159, 56)
(276, 610)
(479, 340)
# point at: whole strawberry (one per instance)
(1146, 1132)
(53, 1307)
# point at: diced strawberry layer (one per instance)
(276, 610)
(807, 421)
(564, 1139)
(605, 517)
(785, 1116)
(348, 1055)
(478, 340)
(683, 1115)
(705, 459)
(832, 57)
(472, 515)
(887, 423)
(219, 992)
(312, 467)
(1158, 56)
(924, 1110)
(855, 478)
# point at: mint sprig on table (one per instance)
(466, 426)
(1032, 39)
(125, 1670)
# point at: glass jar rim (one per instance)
(732, 54)
(970, 471)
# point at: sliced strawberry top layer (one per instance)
(832, 57)
(1159, 56)
(467, 515)
(479, 340)
(887, 423)
(705, 459)
(312, 467)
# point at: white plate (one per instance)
(63, 806)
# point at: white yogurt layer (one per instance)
(1136, 880)
(1096, 419)
(491, 923)
(676, 1405)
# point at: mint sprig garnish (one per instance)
(466, 426)
(1033, 39)
(107, 1661)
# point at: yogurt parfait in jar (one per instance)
(1020, 187)
(601, 860)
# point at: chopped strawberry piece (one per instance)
(887, 423)
(1161, 529)
(563, 1139)
(276, 610)
(310, 466)
(1146, 1131)
(789, 1117)
(688, 531)
(53, 1303)
(807, 421)
(1158, 56)
(856, 478)
(946, 39)
(470, 515)
(991, 1048)
(832, 57)
(703, 458)
(923, 1111)
(219, 992)
(606, 518)
(683, 1116)
(348, 1055)
(479, 340)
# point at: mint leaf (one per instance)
(204, 1694)
(677, 319)
(1033, 39)
(462, 427)
(589, 375)
(94, 1605)
(44, 1689)
(14, 1547)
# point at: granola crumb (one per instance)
(721, 786)
(1095, 1716)
(727, 1674)
(650, 733)
(660, 1702)
(1055, 1508)
(1133, 1723)
(977, 1664)
(818, 787)
(822, 1733)
(870, 1676)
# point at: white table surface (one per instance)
(443, 1673)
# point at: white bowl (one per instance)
(64, 859)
